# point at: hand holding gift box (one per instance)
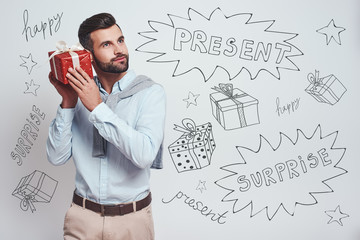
(327, 89)
(64, 58)
(233, 108)
(193, 150)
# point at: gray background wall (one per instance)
(285, 163)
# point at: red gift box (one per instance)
(62, 60)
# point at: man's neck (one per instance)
(108, 80)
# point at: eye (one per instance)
(121, 40)
(106, 44)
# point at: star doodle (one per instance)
(336, 215)
(331, 31)
(32, 87)
(201, 186)
(191, 99)
(28, 63)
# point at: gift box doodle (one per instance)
(326, 89)
(193, 150)
(35, 187)
(64, 58)
(233, 108)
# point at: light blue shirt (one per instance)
(134, 131)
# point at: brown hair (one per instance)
(91, 24)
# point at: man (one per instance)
(113, 133)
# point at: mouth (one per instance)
(119, 59)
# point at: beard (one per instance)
(110, 67)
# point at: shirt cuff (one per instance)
(66, 115)
(99, 113)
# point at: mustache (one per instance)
(119, 56)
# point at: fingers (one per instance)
(77, 77)
(83, 73)
(79, 74)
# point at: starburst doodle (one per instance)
(231, 43)
(271, 179)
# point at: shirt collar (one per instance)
(119, 85)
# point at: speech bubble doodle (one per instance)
(285, 176)
(231, 43)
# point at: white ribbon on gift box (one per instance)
(63, 48)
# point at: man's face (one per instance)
(110, 52)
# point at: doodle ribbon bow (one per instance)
(63, 48)
(189, 128)
(315, 79)
(27, 201)
(226, 89)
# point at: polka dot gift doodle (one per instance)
(193, 150)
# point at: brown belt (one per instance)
(112, 210)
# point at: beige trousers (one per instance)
(84, 224)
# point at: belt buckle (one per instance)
(108, 210)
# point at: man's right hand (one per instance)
(68, 94)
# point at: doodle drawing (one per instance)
(28, 63)
(35, 187)
(28, 135)
(331, 31)
(31, 88)
(326, 89)
(288, 107)
(273, 179)
(46, 28)
(233, 108)
(191, 99)
(193, 150)
(201, 186)
(336, 215)
(198, 206)
(219, 42)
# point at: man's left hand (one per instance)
(85, 87)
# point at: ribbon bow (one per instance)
(27, 201)
(189, 128)
(226, 89)
(62, 47)
(315, 79)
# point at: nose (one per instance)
(118, 49)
